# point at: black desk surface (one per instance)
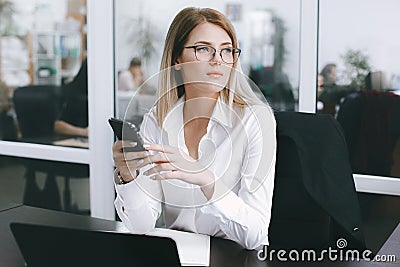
(223, 252)
(7, 205)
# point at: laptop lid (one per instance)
(43, 245)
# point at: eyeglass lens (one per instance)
(206, 53)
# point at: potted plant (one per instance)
(357, 67)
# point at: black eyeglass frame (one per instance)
(234, 50)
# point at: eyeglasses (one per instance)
(229, 55)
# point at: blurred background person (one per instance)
(320, 84)
(8, 130)
(73, 119)
(131, 78)
(329, 74)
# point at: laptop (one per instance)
(58, 246)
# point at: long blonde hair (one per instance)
(238, 92)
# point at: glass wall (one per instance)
(43, 72)
(359, 80)
(44, 100)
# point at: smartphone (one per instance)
(129, 131)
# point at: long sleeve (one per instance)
(244, 217)
(125, 81)
(137, 203)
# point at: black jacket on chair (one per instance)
(315, 202)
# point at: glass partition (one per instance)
(43, 72)
(44, 100)
(359, 80)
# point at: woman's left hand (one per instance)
(176, 164)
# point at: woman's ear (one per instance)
(177, 65)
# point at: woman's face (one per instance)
(205, 77)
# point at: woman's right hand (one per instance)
(127, 162)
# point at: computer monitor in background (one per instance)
(375, 80)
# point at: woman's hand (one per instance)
(173, 163)
(127, 162)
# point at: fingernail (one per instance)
(145, 153)
(140, 162)
(145, 173)
(146, 145)
(133, 143)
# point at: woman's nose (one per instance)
(217, 59)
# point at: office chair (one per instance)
(314, 201)
(37, 107)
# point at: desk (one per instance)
(81, 142)
(58, 140)
(392, 245)
(6, 205)
(223, 252)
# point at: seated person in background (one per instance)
(73, 118)
(5, 104)
(329, 74)
(132, 78)
(8, 131)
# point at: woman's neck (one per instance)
(199, 106)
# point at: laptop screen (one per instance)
(43, 245)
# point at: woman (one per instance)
(132, 78)
(210, 141)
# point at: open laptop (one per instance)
(57, 246)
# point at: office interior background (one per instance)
(285, 46)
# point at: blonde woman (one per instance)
(210, 142)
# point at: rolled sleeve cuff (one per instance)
(130, 195)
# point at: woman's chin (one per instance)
(216, 88)
(208, 88)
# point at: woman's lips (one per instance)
(215, 74)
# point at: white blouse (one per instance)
(240, 149)
(126, 81)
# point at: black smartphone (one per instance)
(129, 131)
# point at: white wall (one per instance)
(368, 25)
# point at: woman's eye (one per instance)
(203, 49)
(227, 50)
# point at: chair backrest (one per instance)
(314, 200)
(37, 108)
(297, 221)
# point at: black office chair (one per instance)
(37, 107)
(314, 202)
